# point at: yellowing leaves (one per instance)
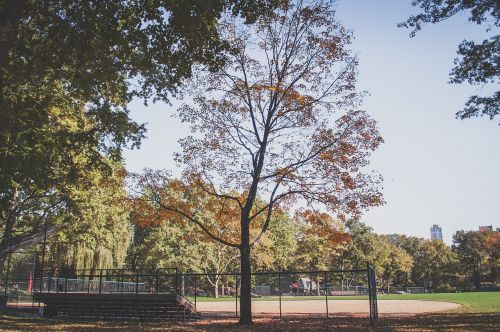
(288, 94)
(323, 225)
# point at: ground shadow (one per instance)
(425, 322)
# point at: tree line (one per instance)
(125, 232)
(291, 244)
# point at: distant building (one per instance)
(484, 229)
(436, 233)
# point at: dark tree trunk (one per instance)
(9, 222)
(246, 277)
(476, 276)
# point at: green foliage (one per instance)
(477, 63)
(434, 263)
(95, 232)
(98, 48)
(68, 69)
(282, 235)
(398, 261)
(167, 245)
(478, 255)
(48, 147)
(316, 251)
(365, 247)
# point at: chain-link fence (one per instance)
(274, 294)
(312, 293)
(17, 277)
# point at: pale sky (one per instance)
(436, 169)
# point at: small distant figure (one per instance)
(295, 288)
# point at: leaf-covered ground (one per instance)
(479, 312)
(429, 322)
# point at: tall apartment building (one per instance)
(436, 233)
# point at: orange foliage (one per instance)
(177, 202)
(323, 225)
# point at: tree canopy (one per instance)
(477, 62)
(68, 69)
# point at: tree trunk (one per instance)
(318, 292)
(10, 221)
(476, 276)
(216, 288)
(246, 276)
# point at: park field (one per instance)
(479, 311)
(470, 301)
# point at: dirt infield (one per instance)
(334, 307)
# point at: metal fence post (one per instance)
(43, 252)
(137, 281)
(157, 283)
(326, 292)
(100, 282)
(195, 288)
(66, 284)
(279, 289)
(175, 282)
(236, 295)
(372, 294)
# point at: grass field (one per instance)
(471, 302)
(479, 312)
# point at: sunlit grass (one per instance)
(470, 301)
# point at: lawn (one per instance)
(471, 302)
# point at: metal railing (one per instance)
(109, 281)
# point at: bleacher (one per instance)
(162, 307)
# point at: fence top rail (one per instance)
(109, 272)
(276, 272)
(160, 273)
(117, 269)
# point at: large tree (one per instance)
(280, 119)
(398, 261)
(477, 254)
(434, 264)
(365, 247)
(320, 240)
(94, 229)
(67, 72)
(477, 62)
